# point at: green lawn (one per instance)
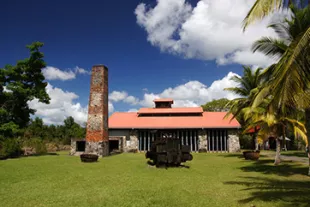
(294, 153)
(126, 180)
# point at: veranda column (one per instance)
(97, 137)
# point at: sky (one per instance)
(184, 50)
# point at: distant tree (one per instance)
(34, 129)
(19, 84)
(72, 130)
(217, 105)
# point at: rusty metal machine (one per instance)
(169, 152)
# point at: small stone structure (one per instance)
(75, 148)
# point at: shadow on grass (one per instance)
(285, 168)
(239, 155)
(43, 154)
(291, 193)
(152, 164)
(115, 153)
(31, 155)
(296, 154)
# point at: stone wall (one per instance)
(202, 141)
(233, 144)
(132, 143)
(99, 148)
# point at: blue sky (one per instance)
(152, 48)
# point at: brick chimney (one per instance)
(97, 135)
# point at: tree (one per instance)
(289, 82)
(248, 85)
(216, 105)
(35, 128)
(273, 124)
(72, 130)
(263, 8)
(19, 84)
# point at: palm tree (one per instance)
(272, 124)
(248, 85)
(263, 8)
(289, 79)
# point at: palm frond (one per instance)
(283, 30)
(259, 10)
(289, 73)
(270, 46)
(236, 90)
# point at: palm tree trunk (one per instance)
(255, 140)
(277, 159)
(307, 114)
(284, 136)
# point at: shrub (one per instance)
(52, 147)
(246, 141)
(10, 148)
(38, 145)
(299, 144)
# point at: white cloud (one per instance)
(212, 30)
(79, 70)
(53, 73)
(111, 107)
(61, 105)
(117, 96)
(132, 110)
(190, 94)
(194, 93)
(131, 100)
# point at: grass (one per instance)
(294, 153)
(126, 180)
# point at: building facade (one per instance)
(135, 131)
(203, 131)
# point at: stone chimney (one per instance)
(97, 135)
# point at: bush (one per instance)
(38, 145)
(10, 148)
(298, 144)
(246, 141)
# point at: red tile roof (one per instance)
(130, 120)
(170, 110)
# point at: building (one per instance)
(203, 131)
(126, 131)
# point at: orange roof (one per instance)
(130, 120)
(170, 110)
(163, 100)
